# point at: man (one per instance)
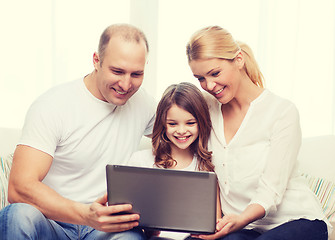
(57, 184)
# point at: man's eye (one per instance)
(137, 75)
(117, 72)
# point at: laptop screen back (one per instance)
(166, 199)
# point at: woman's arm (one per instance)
(281, 160)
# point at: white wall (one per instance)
(46, 42)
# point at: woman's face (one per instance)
(219, 77)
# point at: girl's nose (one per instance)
(181, 130)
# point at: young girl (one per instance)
(180, 134)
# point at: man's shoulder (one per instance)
(59, 91)
(56, 99)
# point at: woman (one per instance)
(255, 142)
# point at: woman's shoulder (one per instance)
(275, 101)
(276, 106)
(212, 102)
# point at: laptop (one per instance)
(166, 199)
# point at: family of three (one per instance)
(235, 127)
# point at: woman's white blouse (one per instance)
(259, 164)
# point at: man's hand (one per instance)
(102, 218)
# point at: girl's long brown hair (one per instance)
(188, 97)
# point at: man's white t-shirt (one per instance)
(83, 134)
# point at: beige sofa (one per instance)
(316, 159)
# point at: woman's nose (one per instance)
(210, 85)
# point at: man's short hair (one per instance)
(125, 31)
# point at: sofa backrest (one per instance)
(317, 156)
(8, 140)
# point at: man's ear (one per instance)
(96, 60)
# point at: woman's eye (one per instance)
(201, 79)
(215, 74)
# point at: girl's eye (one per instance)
(171, 124)
(191, 123)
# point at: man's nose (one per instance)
(125, 82)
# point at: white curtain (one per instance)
(47, 42)
(293, 41)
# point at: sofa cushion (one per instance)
(5, 165)
(325, 191)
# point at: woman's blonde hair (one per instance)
(216, 42)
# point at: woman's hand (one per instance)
(232, 223)
(108, 218)
(226, 225)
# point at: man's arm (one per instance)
(29, 168)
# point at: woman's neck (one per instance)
(246, 93)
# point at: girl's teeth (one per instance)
(182, 138)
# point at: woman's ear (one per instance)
(239, 60)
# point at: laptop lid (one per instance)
(166, 199)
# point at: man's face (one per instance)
(120, 74)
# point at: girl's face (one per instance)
(181, 127)
(219, 77)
